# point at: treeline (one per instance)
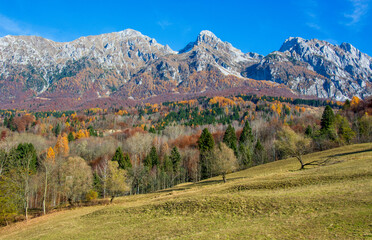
(57, 162)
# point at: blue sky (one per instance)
(252, 26)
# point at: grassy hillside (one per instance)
(332, 200)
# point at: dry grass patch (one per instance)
(272, 201)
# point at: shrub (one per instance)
(91, 195)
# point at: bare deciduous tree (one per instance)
(77, 178)
(223, 160)
(292, 144)
(116, 182)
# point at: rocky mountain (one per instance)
(39, 64)
(128, 64)
(314, 67)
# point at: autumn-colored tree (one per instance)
(51, 155)
(61, 148)
(82, 133)
(354, 101)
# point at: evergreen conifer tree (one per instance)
(175, 157)
(70, 137)
(154, 156)
(246, 135)
(309, 131)
(57, 130)
(205, 145)
(119, 157)
(230, 139)
(127, 162)
(328, 119)
(167, 164)
(258, 152)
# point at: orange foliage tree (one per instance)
(61, 147)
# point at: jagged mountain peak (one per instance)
(336, 71)
(207, 39)
(111, 61)
(130, 32)
(347, 47)
(207, 36)
(298, 43)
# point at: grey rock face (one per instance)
(310, 67)
(348, 69)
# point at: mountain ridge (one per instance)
(130, 64)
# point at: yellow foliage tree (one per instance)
(82, 133)
(61, 147)
(354, 101)
(51, 155)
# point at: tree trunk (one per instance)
(26, 197)
(301, 162)
(224, 177)
(26, 208)
(45, 190)
(112, 198)
(70, 202)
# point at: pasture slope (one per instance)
(331, 200)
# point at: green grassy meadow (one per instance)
(331, 200)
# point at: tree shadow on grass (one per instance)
(328, 160)
(350, 153)
(168, 190)
(195, 184)
(210, 182)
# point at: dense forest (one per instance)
(51, 160)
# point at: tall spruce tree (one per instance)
(175, 157)
(154, 157)
(119, 157)
(148, 161)
(205, 145)
(327, 123)
(259, 152)
(230, 139)
(57, 130)
(70, 137)
(127, 162)
(246, 135)
(167, 164)
(328, 119)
